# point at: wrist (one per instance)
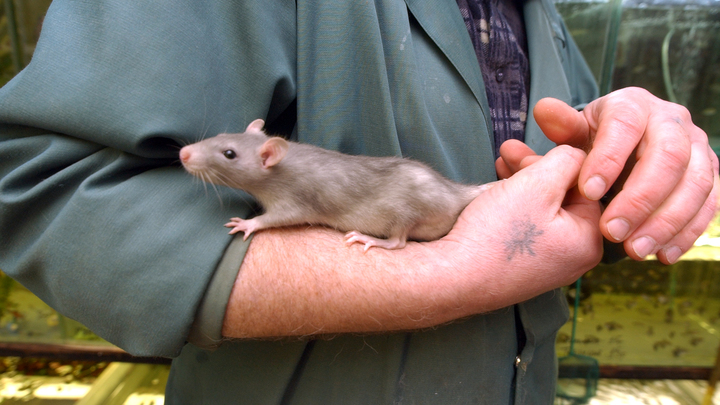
(436, 282)
(469, 275)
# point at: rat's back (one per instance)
(379, 196)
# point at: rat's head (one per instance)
(235, 160)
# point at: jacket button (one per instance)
(517, 361)
(499, 75)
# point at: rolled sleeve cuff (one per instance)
(206, 330)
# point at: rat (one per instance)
(378, 201)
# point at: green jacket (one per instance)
(99, 220)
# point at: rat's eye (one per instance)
(230, 154)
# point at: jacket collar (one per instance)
(443, 23)
(546, 45)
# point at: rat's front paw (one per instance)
(245, 225)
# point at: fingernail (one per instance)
(595, 188)
(672, 254)
(643, 246)
(618, 228)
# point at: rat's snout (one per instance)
(189, 158)
(185, 154)
(193, 160)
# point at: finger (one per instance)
(513, 152)
(619, 125)
(662, 161)
(502, 169)
(512, 155)
(528, 160)
(579, 206)
(684, 240)
(677, 210)
(562, 124)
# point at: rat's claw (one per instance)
(233, 223)
(369, 241)
(239, 224)
(351, 238)
(357, 237)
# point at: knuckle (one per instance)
(625, 107)
(631, 99)
(641, 204)
(639, 92)
(687, 236)
(698, 135)
(628, 120)
(577, 155)
(671, 226)
(710, 208)
(692, 233)
(611, 163)
(677, 110)
(675, 153)
(703, 182)
(631, 92)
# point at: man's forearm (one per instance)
(303, 281)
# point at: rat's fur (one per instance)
(384, 200)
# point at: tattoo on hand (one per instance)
(522, 239)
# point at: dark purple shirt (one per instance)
(498, 35)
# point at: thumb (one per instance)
(554, 174)
(562, 124)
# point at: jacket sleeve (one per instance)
(96, 216)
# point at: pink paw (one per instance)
(369, 241)
(357, 237)
(248, 226)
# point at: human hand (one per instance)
(670, 193)
(543, 232)
(514, 156)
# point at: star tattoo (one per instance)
(522, 239)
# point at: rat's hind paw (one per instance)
(369, 241)
(248, 226)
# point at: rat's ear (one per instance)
(273, 151)
(255, 126)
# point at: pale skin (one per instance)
(672, 191)
(532, 233)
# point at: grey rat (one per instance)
(379, 201)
